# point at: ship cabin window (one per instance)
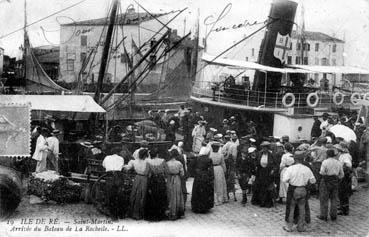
(334, 48)
(252, 52)
(70, 64)
(306, 61)
(297, 60)
(83, 40)
(334, 63)
(316, 47)
(298, 46)
(289, 59)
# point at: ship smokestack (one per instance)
(276, 42)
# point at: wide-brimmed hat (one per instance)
(87, 144)
(218, 136)
(252, 140)
(342, 147)
(251, 149)
(213, 129)
(265, 143)
(55, 132)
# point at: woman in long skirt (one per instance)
(137, 199)
(203, 185)
(156, 200)
(220, 186)
(174, 189)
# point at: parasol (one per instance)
(343, 131)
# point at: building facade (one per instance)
(1, 60)
(318, 49)
(81, 46)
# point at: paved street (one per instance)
(230, 219)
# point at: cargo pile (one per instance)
(49, 185)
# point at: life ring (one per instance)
(284, 100)
(308, 99)
(355, 101)
(335, 97)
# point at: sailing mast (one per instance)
(105, 54)
(25, 45)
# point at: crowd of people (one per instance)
(271, 170)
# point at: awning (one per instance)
(332, 69)
(66, 103)
(239, 64)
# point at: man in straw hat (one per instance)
(331, 172)
(344, 189)
(298, 176)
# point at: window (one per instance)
(308, 47)
(316, 61)
(325, 62)
(298, 46)
(334, 48)
(306, 61)
(70, 64)
(297, 60)
(83, 56)
(83, 40)
(291, 46)
(334, 62)
(289, 59)
(316, 47)
(252, 52)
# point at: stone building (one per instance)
(78, 39)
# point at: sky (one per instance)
(348, 20)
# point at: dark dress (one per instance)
(264, 191)
(203, 185)
(245, 168)
(315, 130)
(156, 199)
(181, 159)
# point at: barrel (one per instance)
(10, 191)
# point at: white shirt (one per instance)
(41, 148)
(53, 144)
(346, 159)
(298, 175)
(113, 163)
(324, 125)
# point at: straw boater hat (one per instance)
(87, 144)
(213, 129)
(252, 140)
(172, 122)
(218, 136)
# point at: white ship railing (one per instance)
(272, 100)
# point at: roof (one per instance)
(66, 103)
(317, 36)
(248, 65)
(132, 18)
